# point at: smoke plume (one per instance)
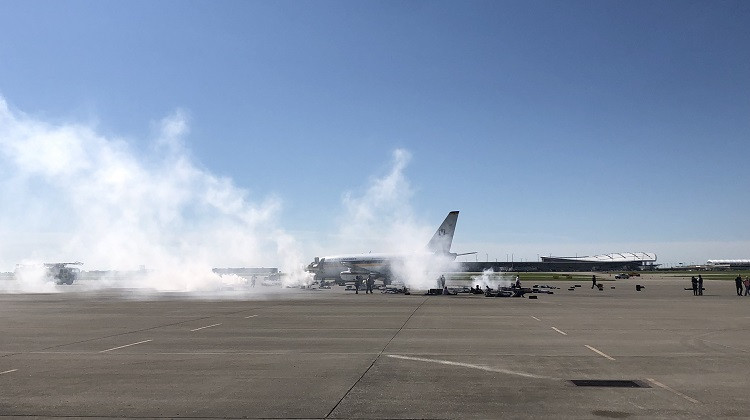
(382, 218)
(72, 193)
(493, 280)
(157, 220)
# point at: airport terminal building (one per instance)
(643, 260)
(621, 261)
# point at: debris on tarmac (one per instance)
(507, 292)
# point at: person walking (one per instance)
(357, 284)
(700, 285)
(593, 281)
(738, 283)
(747, 286)
(694, 282)
(370, 282)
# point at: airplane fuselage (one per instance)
(348, 267)
(351, 267)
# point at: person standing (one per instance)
(700, 285)
(738, 283)
(747, 285)
(370, 281)
(357, 284)
(694, 282)
(593, 281)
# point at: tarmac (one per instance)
(333, 354)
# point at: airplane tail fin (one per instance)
(442, 239)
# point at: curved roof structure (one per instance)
(643, 257)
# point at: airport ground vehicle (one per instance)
(622, 276)
(61, 273)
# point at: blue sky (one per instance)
(555, 127)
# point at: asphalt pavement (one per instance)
(655, 353)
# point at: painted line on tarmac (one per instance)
(470, 366)
(207, 326)
(561, 332)
(661, 385)
(251, 316)
(126, 345)
(600, 353)
(8, 371)
(535, 318)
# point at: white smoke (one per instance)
(383, 219)
(422, 270)
(71, 193)
(30, 277)
(295, 274)
(493, 280)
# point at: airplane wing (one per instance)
(371, 267)
(360, 268)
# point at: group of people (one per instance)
(369, 283)
(740, 283)
(697, 284)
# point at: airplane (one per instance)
(344, 268)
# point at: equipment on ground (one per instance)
(507, 292)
